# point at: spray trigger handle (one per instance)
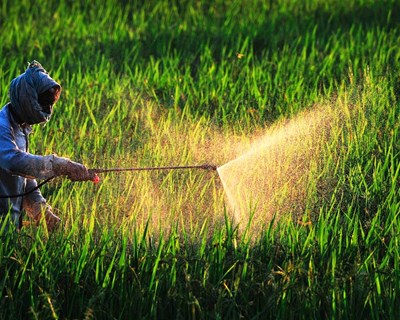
(96, 179)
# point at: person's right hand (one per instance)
(36, 210)
(73, 170)
(52, 221)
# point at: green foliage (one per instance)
(149, 83)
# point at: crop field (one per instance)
(297, 103)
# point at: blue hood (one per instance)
(24, 91)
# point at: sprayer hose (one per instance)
(27, 192)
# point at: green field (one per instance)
(163, 83)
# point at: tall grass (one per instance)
(190, 82)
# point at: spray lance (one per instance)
(96, 179)
(94, 173)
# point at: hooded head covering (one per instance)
(24, 92)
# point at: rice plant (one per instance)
(190, 82)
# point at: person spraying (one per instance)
(32, 98)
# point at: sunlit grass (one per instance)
(198, 82)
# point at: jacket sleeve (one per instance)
(35, 196)
(33, 203)
(18, 162)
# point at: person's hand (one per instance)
(36, 210)
(73, 170)
(52, 221)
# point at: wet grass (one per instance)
(183, 83)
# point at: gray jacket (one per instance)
(19, 168)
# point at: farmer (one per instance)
(32, 97)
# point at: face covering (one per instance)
(27, 89)
(47, 99)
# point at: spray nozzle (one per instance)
(209, 167)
